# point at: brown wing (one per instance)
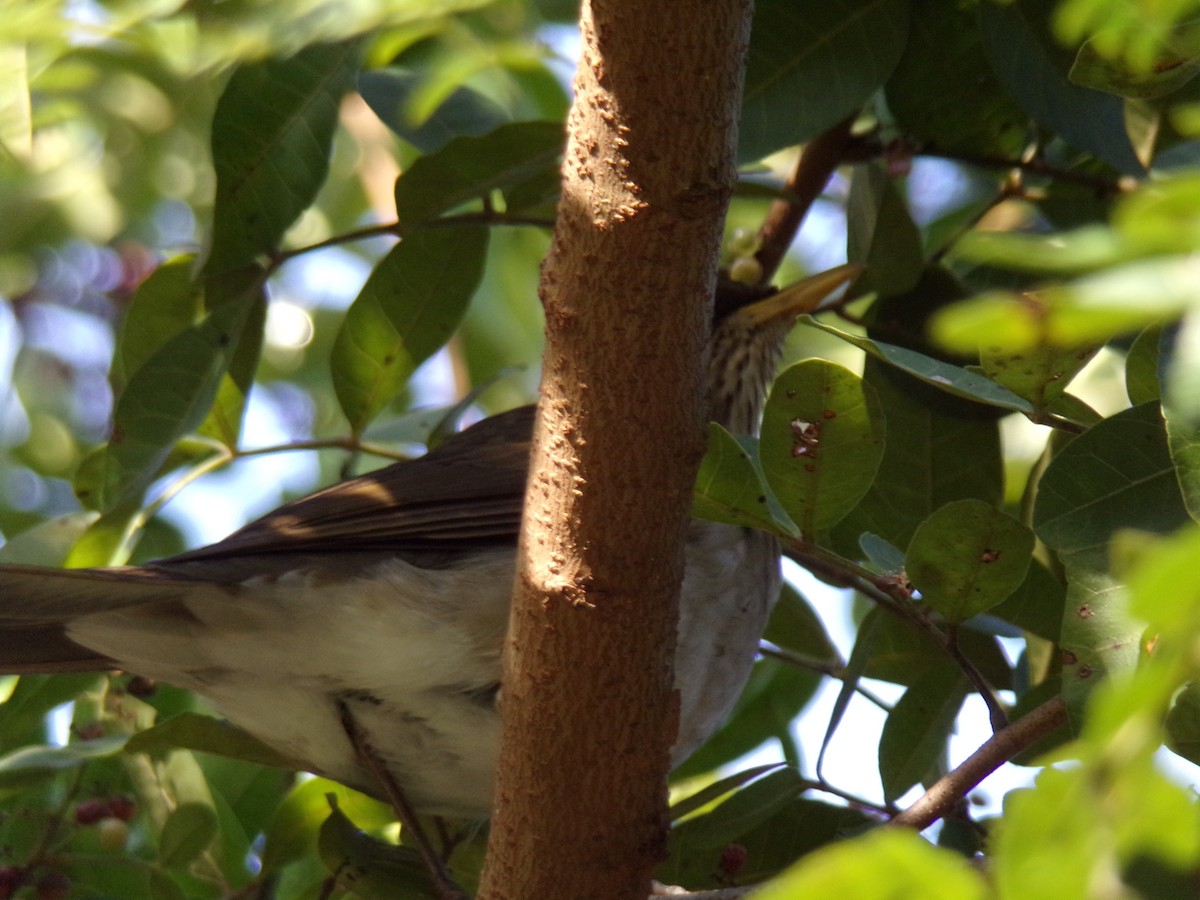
(465, 494)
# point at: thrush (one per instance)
(387, 597)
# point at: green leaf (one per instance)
(167, 302)
(1031, 65)
(1166, 583)
(49, 543)
(946, 377)
(1161, 217)
(682, 809)
(1050, 830)
(16, 120)
(1037, 605)
(1116, 475)
(394, 94)
(902, 653)
(368, 866)
(795, 626)
(970, 113)
(1174, 65)
(293, 831)
(811, 65)
(33, 764)
(1181, 411)
(1077, 827)
(917, 729)
(1183, 724)
(943, 456)
(967, 557)
(1040, 374)
(730, 487)
(821, 442)
(762, 851)
(881, 234)
(881, 554)
(470, 168)
(1083, 250)
(884, 864)
(744, 810)
(188, 831)
(271, 138)
(409, 307)
(1090, 310)
(1141, 367)
(23, 713)
(169, 395)
(193, 731)
(224, 421)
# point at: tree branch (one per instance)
(999, 749)
(589, 710)
(816, 164)
(894, 596)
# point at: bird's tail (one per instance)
(37, 606)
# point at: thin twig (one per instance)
(868, 146)
(997, 750)
(398, 230)
(443, 883)
(336, 443)
(894, 596)
(825, 787)
(836, 671)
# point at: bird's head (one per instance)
(750, 326)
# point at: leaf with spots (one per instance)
(1117, 475)
(1039, 374)
(730, 486)
(967, 557)
(821, 443)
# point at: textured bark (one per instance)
(589, 711)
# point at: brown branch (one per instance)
(892, 595)
(999, 749)
(817, 163)
(589, 709)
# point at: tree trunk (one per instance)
(588, 705)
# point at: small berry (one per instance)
(112, 834)
(90, 732)
(746, 270)
(89, 812)
(122, 807)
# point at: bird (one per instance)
(386, 597)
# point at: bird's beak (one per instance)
(797, 299)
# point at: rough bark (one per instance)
(588, 704)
